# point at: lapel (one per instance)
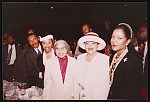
(42, 59)
(33, 52)
(121, 64)
(17, 50)
(146, 56)
(7, 50)
(68, 72)
(110, 59)
(146, 62)
(58, 75)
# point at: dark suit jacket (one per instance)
(40, 63)
(145, 74)
(21, 74)
(4, 58)
(127, 78)
(32, 68)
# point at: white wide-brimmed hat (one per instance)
(91, 36)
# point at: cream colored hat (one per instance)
(46, 37)
(91, 36)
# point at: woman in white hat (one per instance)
(47, 44)
(48, 53)
(92, 81)
(59, 74)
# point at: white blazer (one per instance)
(92, 81)
(54, 88)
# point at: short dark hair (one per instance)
(89, 25)
(12, 35)
(43, 34)
(27, 35)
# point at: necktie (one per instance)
(9, 55)
(39, 53)
(142, 47)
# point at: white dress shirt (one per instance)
(13, 55)
(40, 49)
(145, 52)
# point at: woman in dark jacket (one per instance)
(125, 65)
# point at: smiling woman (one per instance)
(92, 79)
(125, 65)
(59, 74)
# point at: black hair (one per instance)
(126, 30)
(43, 34)
(27, 35)
(12, 35)
(89, 25)
(129, 35)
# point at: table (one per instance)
(13, 91)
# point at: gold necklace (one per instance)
(116, 60)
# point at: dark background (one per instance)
(64, 21)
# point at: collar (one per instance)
(123, 53)
(145, 42)
(10, 45)
(52, 52)
(38, 48)
(44, 56)
(62, 59)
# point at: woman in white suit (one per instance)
(59, 74)
(92, 81)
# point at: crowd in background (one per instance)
(23, 62)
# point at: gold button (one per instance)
(83, 95)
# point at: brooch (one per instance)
(125, 59)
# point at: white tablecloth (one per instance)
(11, 91)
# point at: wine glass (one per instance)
(30, 94)
(22, 91)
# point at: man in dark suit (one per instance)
(142, 37)
(21, 74)
(9, 54)
(31, 61)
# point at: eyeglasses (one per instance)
(62, 49)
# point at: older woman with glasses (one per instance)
(59, 74)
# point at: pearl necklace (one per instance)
(116, 60)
